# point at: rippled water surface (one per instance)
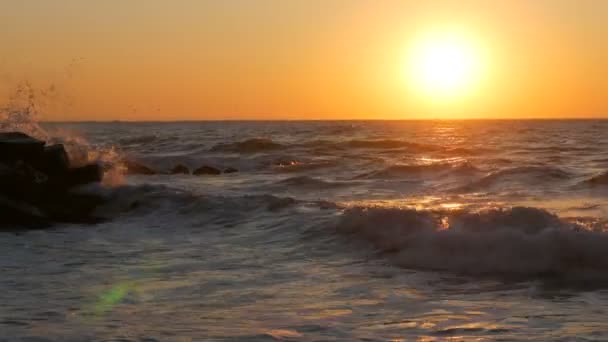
(343, 231)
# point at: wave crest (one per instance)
(525, 174)
(518, 242)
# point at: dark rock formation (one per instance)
(85, 174)
(38, 186)
(135, 168)
(206, 170)
(16, 145)
(54, 160)
(230, 170)
(180, 169)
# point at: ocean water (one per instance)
(330, 231)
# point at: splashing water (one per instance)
(23, 113)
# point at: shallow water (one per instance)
(418, 230)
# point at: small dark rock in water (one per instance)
(180, 169)
(206, 170)
(37, 185)
(230, 170)
(135, 168)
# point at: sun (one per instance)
(445, 66)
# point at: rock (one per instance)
(206, 170)
(85, 174)
(135, 168)
(16, 214)
(230, 170)
(73, 207)
(54, 160)
(22, 181)
(37, 184)
(180, 169)
(19, 146)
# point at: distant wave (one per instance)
(168, 202)
(248, 146)
(297, 165)
(562, 148)
(518, 242)
(390, 144)
(403, 171)
(530, 174)
(310, 182)
(598, 180)
(265, 144)
(141, 139)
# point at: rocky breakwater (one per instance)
(40, 187)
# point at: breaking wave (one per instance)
(519, 242)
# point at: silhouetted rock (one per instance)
(73, 207)
(19, 146)
(37, 185)
(85, 174)
(206, 170)
(135, 168)
(230, 170)
(21, 181)
(16, 214)
(54, 160)
(180, 169)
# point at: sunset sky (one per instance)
(307, 59)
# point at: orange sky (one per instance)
(299, 59)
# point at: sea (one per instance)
(438, 230)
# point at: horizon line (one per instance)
(329, 120)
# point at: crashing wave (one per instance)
(22, 114)
(518, 242)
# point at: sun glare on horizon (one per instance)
(444, 67)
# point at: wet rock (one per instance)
(206, 170)
(135, 168)
(180, 169)
(19, 214)
(230, 170)
(37, 184)
(73, 207)
(85, 174)
(19, 146)
(54, 160)
(22, 181)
